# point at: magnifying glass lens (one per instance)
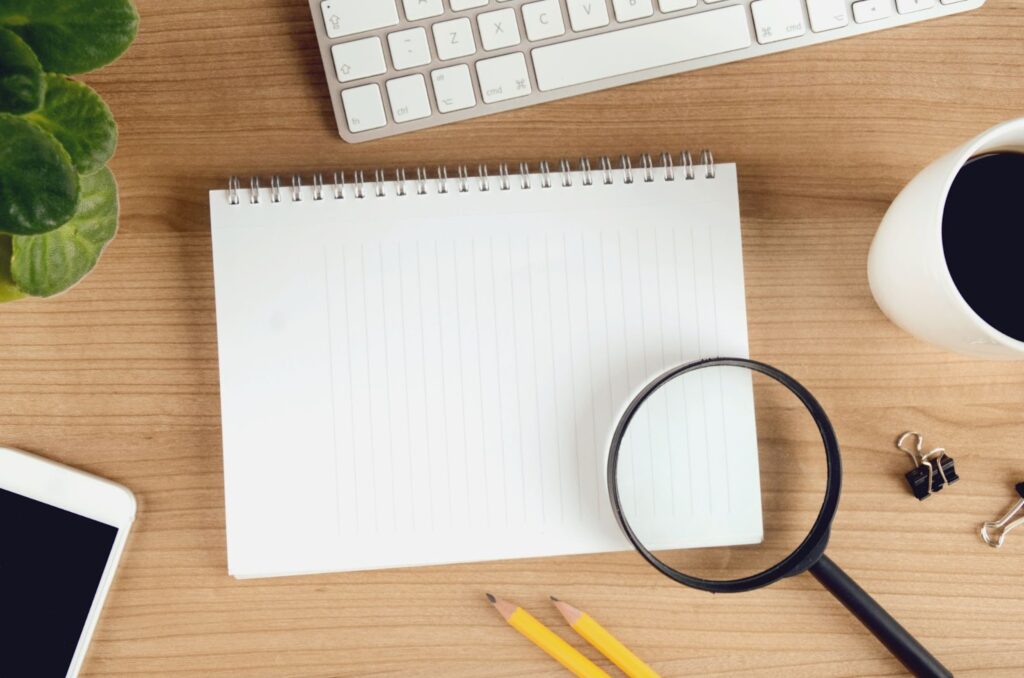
(721, 472)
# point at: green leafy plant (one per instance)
(58, 199)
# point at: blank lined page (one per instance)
(425, 379)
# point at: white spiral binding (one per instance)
(605, 172)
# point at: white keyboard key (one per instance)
(348, 17)
(587, 14)
(908, 6)
(827, 15)
(358, 59)
(459, 5)
(409, 48)
(631, 10)
(364, 108)
(871, 10)
(453, 88)
(634, 49)
(776, 20)
(454, 39)
(543, 20)
(503, 77)
(422, 9)
(498, 29)
(408, 98)
(676, 5)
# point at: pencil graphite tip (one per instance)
(491, 598)
(554, 600)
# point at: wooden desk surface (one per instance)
(119, 377)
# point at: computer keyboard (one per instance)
(396, 66)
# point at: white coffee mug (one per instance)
(907, 266)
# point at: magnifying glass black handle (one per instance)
(899, 641)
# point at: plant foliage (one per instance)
(58, 199)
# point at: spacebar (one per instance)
(634, 49)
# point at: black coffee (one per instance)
(983, 238)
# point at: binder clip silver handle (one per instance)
(919, 459)
(994, 532)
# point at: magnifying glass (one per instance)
(698, 423)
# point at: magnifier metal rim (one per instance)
(813, 544)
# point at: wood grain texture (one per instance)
(119, 376)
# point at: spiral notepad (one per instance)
(424, 367)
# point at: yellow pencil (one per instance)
(606, 643)
(544, 638)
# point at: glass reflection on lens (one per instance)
(721, 472)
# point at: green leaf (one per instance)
(76, 115)
(72, 36)
(44, 265)
(38, 183)
(21, 75)
(8, 290)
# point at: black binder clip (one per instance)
(932, 470)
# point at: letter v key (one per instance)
(587, 14)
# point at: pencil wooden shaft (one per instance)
(610, 647)
(561, 651)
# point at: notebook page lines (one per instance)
(701, 441)
(483, 382)
(488, 362)
(599, 404)
(525, 311)
(543, 347)
(726, 447)
(328, 310)
(511, 330)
